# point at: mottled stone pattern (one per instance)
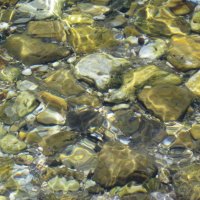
(166, 101)
(117, 163)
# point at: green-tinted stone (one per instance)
(33, 51)
(166, 101)
(155, 20)
(184, 52)
(63, 82)
(195, 131)
(10, 144)
(47, 29)
(135, 79)
(10, 74)
(87, 39)
(117, 163)
(6, 165)
(195, 22)
(193, 84)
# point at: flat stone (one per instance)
(195, 131)
(10, 144)
(63, 82)
(195, 21)
(47, 29)
(159, 20)
(166, 101)
(184, 52)
(118, 163)
(193, 83)
(33, 51)
(101, 69)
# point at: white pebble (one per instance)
(72, 59)
(27, 72)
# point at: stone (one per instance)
(33, 51)
(100, 2)
(93, 9)
(10, 74)
(118, 21)
(180, 48)
(135, 79)
(87, 39)
(155, 20)
(61, 184)
(55, 142)
(78, 18)
(118, 163)
(39, 9)
(10, 144)
(63, 82)
(195, 131)
(8, 2)
(166, 101)
(47, 29)
(186, 182)
(25, 103)
(153, 50)
(193, 83)
(50, 116)
(79, 157)
(101, 69)
(195, 22)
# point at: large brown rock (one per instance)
(33, 51)
(168, 102)
(118, 163)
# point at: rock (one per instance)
(53, 100)
(153, 50)
(55, 142)
(118, 21)
(10, 74)
(79, 18)
(85, 99)
(33, 51)
(63, 82)
(10, 144)
(61, 184)
(118, 163)
(155, 20)
(51, 116)
(87, 39)
(135, 79)
(101, 69)
(93, 9)
(193, 83)
(8, 2)
(6, 165)
(27, 72)
(26, 85)
(195, 131)
(166, 101)
(180, 48)
(79, 157)
(40, 9)
(47, 29)
(25, 103)
(100, 2)
(195, 21)
(186, 182)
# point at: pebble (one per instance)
(27, 72)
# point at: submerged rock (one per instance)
(10, 74)
(10, 144)
(63, 82)
(87, 39)
(193, 84)
(155, 20)
(195, 21)
(135, 79)
(79, 157)
(184, 52)
(34, 51)
(101, 69)
(166, 101)
(186, 182)
(195, 131)
(47, 29)
(117, 164)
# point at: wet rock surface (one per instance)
(99, 99)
